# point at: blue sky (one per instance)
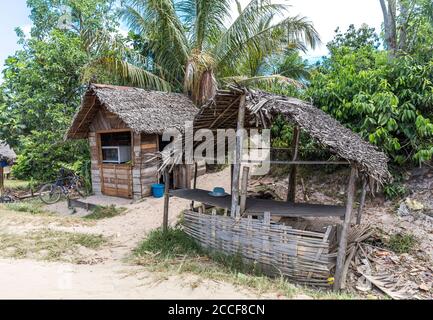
(326, 16)
(12, 14)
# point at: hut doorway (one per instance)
(115, 162)
(161, 145)
(180, 176)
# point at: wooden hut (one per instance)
(124, 127)
(302, 256)
(7, 158)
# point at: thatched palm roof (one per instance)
(141, 110)
(261, 110)
(6, 152)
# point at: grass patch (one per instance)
(48, 244)
(33, 206)
(176, 252)
(17, 184)
(401, 243)
(168, 244)
(103, 212)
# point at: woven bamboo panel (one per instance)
(301, 256)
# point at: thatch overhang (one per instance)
(143, 111)
(261, 110)
(7, 153)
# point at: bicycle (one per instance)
(51, 193)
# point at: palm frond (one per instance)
(157, 21)
(245, 25)
(130, 74)
(263, 80)
(290, 33)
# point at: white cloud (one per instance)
(330, 14)
(327, 15)
(27, 29)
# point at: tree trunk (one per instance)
(389, 19)
(199, 83)
(402, 37)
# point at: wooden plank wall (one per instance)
(105, 120)
(117, 180)
(95, 168)
(114, 180)
(110, 179)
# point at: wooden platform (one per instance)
(257, 207)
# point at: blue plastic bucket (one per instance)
(158, 190)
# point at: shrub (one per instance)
(401, 243)
(394, 191)
(44, 153)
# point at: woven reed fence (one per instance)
(301, 256)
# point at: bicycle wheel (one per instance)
(6, 199)
(50, 193)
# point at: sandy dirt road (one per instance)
(109, 276)
(28, 279)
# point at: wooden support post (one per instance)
(342, 246)
(187, 176)
(166, 200)
(1, 180)
(291, 193)
(361, 201)
(244, 188)
(194, 184)
(231, 176)
(238, 156)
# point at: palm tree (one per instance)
(195, 42)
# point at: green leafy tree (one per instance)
(43, 84)
(387, 102)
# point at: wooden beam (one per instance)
(342, 246)
(224, 112)
(87, 113)
(291, 192)
(238, 156)
(244, 189)
(300, 162)
(361, 201)
(166, 200)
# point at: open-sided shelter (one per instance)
(306, 257)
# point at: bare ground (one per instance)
(413, 271)
(105, 273)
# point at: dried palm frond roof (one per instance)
(262, 108)
(141, 110)
(6, 152)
